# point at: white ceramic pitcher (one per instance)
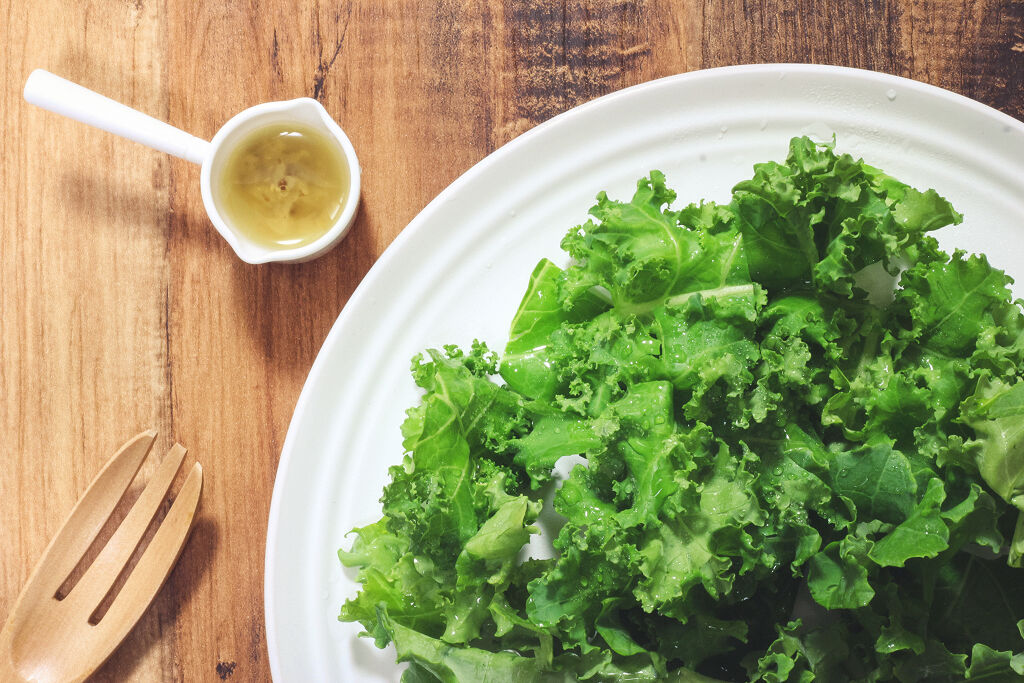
(61, 96)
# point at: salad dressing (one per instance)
(284, 185)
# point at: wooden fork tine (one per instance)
(89, 515)
(154, 566)
(90, 590)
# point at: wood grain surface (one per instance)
(120, 307)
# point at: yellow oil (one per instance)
(283, 185)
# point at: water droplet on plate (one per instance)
(764, 124)
(891, 94)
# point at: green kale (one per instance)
(799, 432)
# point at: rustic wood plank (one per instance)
(83, 345)
(121, 308)
(858, 34)
(969, 48)
(561, 55)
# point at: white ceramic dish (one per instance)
(459, 269)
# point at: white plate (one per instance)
(459, 269)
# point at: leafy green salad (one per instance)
(798, 428)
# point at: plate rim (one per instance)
(423, 216)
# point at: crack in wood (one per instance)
(324, 68)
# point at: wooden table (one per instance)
(120, 307)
